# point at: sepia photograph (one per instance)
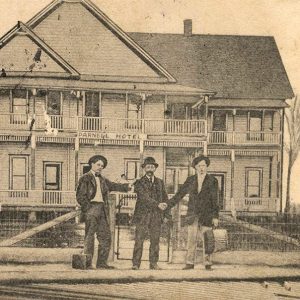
(149, 149)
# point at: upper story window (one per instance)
(219, 120)
(92, 107)
(53, 103)
(19, 102)
(253, 182)
(134, 108)
(52, 176)
(255, 121)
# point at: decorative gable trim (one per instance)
(114, 28)
(21, 28)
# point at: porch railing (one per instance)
(104, 124)
(261, 204)
(37, 198)
(244, 138)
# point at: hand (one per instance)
(215, 222)
(162, 206)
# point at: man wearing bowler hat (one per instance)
(203, 210)
(149, 213)
(92, 195)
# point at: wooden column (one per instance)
(76, 160)
(32, 155)
(232, 204)
(142, 146)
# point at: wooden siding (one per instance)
(22, 60)
(74, 33)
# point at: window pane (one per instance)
(19, 166)
(51, 174)
(92, 104)
(20, 101)
(53, 104)
(253, 191)
(19, 109)
(19, 183)
(19, 94)
(253, 177)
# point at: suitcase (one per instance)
(215, 240)
(81, 261)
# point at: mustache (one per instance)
(149, 172)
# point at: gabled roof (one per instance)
(24, 62)
(81, 33)
(247, 67)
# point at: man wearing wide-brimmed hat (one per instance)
(149, 213)
(92, 195)
(203, 210)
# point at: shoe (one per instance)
(155, 267)
(135, 268)
(105, 266)
(208, 267)
(188, 267)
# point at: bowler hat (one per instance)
(149, 161)
(96, 158)
(197, 159)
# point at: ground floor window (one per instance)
(52, 176)
(253, 182)
(18, 169)
(84, 168)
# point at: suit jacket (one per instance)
(149, 195)
(203, 204)
(87, 188)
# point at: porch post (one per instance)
(232, 204)
(32, 154)
(76, 159)
(142, 146)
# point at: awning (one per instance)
(235, 103)
(154, 88)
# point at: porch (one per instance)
(125, 202)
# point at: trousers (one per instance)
(195, 232)
(152, 226)
(96, 223)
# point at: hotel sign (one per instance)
(111, 136)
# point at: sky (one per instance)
(278, 18)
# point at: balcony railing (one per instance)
(113, 125)
(244, 138)
(261, 204)
(38, 198)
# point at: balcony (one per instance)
(32, 198)
(114, 125)
(244, 138)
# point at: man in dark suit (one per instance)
(203, 210)
(148, 215)
(92, 195)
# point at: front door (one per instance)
(175, 178)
